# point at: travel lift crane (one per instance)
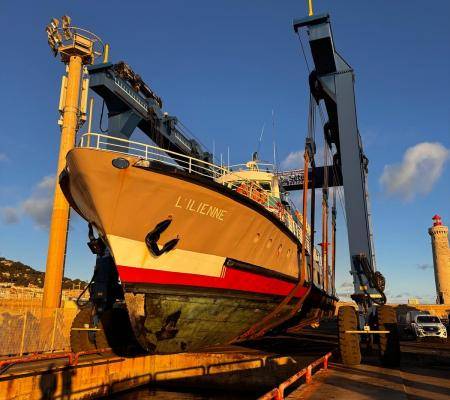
(332, 82)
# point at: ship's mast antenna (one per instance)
(260, 139)
(274, 141)
(310, 8)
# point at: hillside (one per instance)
(19, 274)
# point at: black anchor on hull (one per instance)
(153, 236)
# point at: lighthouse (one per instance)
(441, 259)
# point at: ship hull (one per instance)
(233, 264)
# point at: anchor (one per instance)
(152, 238)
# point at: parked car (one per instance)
(425, 325)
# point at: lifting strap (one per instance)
(278, 316)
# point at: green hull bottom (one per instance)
(173, 321)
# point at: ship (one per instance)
(203, 253)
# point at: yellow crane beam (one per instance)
(76, 50)
(310, 8)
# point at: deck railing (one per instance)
(147, 153)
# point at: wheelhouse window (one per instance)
(265, 186)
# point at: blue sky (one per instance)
(222, 67)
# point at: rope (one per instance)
(101, 119)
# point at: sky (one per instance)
(221, 67)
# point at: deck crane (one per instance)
(332, 82)
(132, 104)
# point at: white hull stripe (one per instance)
(136, 254)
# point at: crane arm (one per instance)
(332, 81)
(132, 104)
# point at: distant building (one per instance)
(441, 259)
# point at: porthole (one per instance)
(280, 249)
(288, 253)
(120, 163)
(269, 243)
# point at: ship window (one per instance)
(265, 185)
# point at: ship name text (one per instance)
(200, 208)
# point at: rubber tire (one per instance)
(119, 333)
(390, 354)
(79, 340)
(349, 346)
(85, 340)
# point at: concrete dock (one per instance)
(367, 381)
(254, 369)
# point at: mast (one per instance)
(76, 51)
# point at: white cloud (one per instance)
(39, 209)
(294, 160)
(424, 267)
(346, 285)
(421, 167)
(10, 215)
(37, 206)
(47, 183)
(404, 295)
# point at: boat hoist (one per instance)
(332, 85)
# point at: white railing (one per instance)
(151, 153)
(259, 166)
(148, 153)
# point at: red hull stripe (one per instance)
(233, 279)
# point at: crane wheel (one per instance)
(348, 342)
(119, 333)
(389, 343)
(85, 340)
(79, 339)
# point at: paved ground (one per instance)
(424, 374)
(374, 382)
